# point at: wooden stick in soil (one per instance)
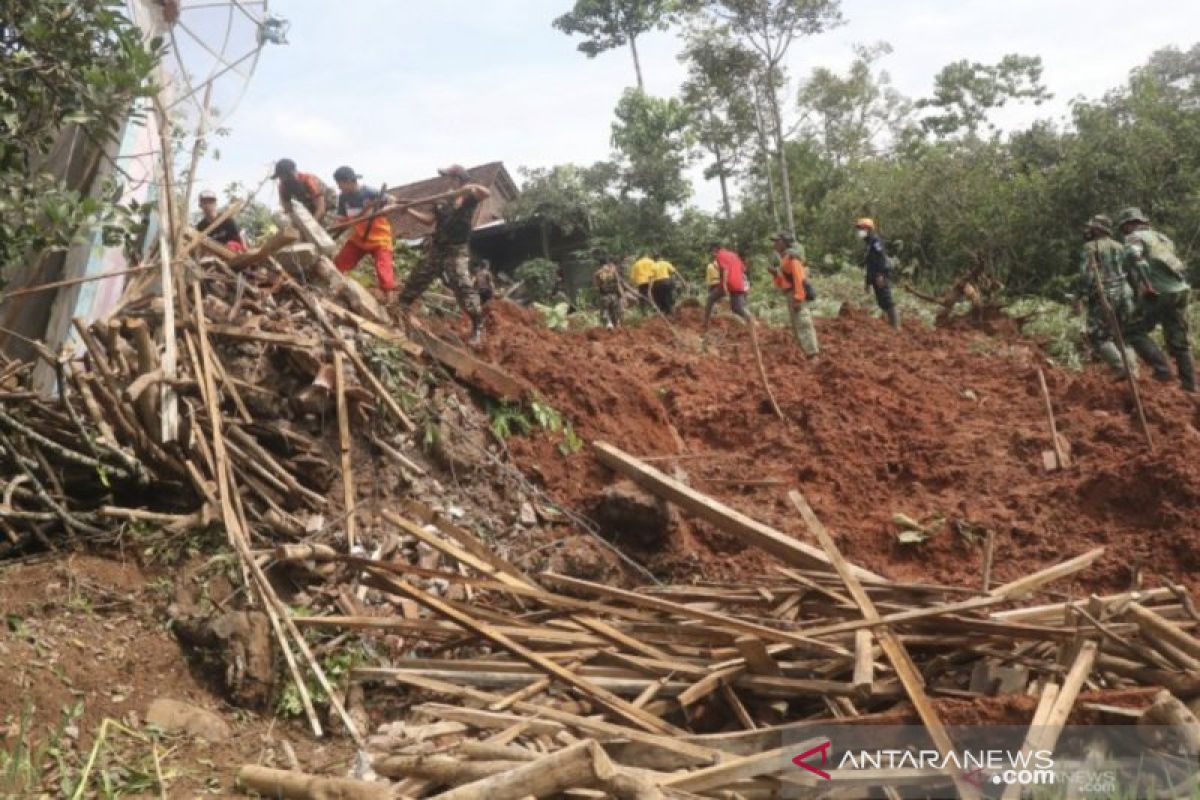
(169, 401)
(762, 370)
(989, 552)
(902, 663)
(1060, 455)
(1114, 325)
(343, 418)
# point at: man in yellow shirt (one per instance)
(641, 275)
(662, 288)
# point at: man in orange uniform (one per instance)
(373, 236)
(790, 276)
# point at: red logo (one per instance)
(823, 749)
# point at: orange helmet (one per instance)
(865, 222)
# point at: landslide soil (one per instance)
(944, 423)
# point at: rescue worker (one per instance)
(448, 254)
(733, 283)
(879, 269)
(304, 187)
(641, 275)
(1103, 252)
(485, 282)
(373, 236)
(227, 232)
(662, 284)
(1159, 278)
(607, 281)
(790, 275)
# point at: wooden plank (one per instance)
(757, 658)
(864, 659)
(1022, 587)
(736, 769)
(609, 700)
(721, 620)
(280, 240)
(310, 229)
(791, 551)
(901, 661)
(1164, 629)
(343, 417)
(488, 378)
(266, 337)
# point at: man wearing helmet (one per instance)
(1103, 253)
(1159, 278)
(879, 269)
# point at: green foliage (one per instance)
(554, 316)
(508, 419)
(653, 137)
(539, 277)
(608, 24)
(62, 62)
(965, 91)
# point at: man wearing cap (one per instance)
(790, 276)
(733, 283)
(373, 236)
(226, 233)
(1105, 253)
(879, 269)
(448, 254)
(1159, 278)
(303, 187)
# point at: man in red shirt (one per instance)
(733, 283)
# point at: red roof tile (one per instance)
(493, 175)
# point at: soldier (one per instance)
(1106, 254)
(879, 269)
(607, 281)
(1158, 276)
(790, 276)
(448, 256)
(485, 282)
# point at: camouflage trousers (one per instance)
(1169, 311)
(802, 327)
(610, 309)
(450, 263)
(1101, 337)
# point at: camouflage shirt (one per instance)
(1109, 256)
(607, 280)
(1150, 257)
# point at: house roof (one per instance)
(492, 175)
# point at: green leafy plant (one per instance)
(539, 277)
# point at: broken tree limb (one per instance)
(279, 783)
(762, 369)
(1060, 454)
(280, 240)
(778, 544)
(583, 764)
(896, 653)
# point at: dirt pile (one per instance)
(941, 424)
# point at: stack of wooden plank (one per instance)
(521, 685)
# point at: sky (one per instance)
(396, 88)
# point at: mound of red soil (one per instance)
(930, 423)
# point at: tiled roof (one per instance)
(493, 175)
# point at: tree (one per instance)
(770, 27)
(62, 62)
(609, 24)
(722, 114)
(848, 114)
(652, 136)
(965, 92)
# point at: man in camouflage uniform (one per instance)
(1159, 277)
(1104, 253)
(607, 281)
(448, 255)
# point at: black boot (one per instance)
(1187, 371)
(1150, 353)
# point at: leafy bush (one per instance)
(539, 277)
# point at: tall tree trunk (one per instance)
(719, 156)
(637, 62)
(789, 219)
(761, 129)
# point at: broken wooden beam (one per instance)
(728, 520)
